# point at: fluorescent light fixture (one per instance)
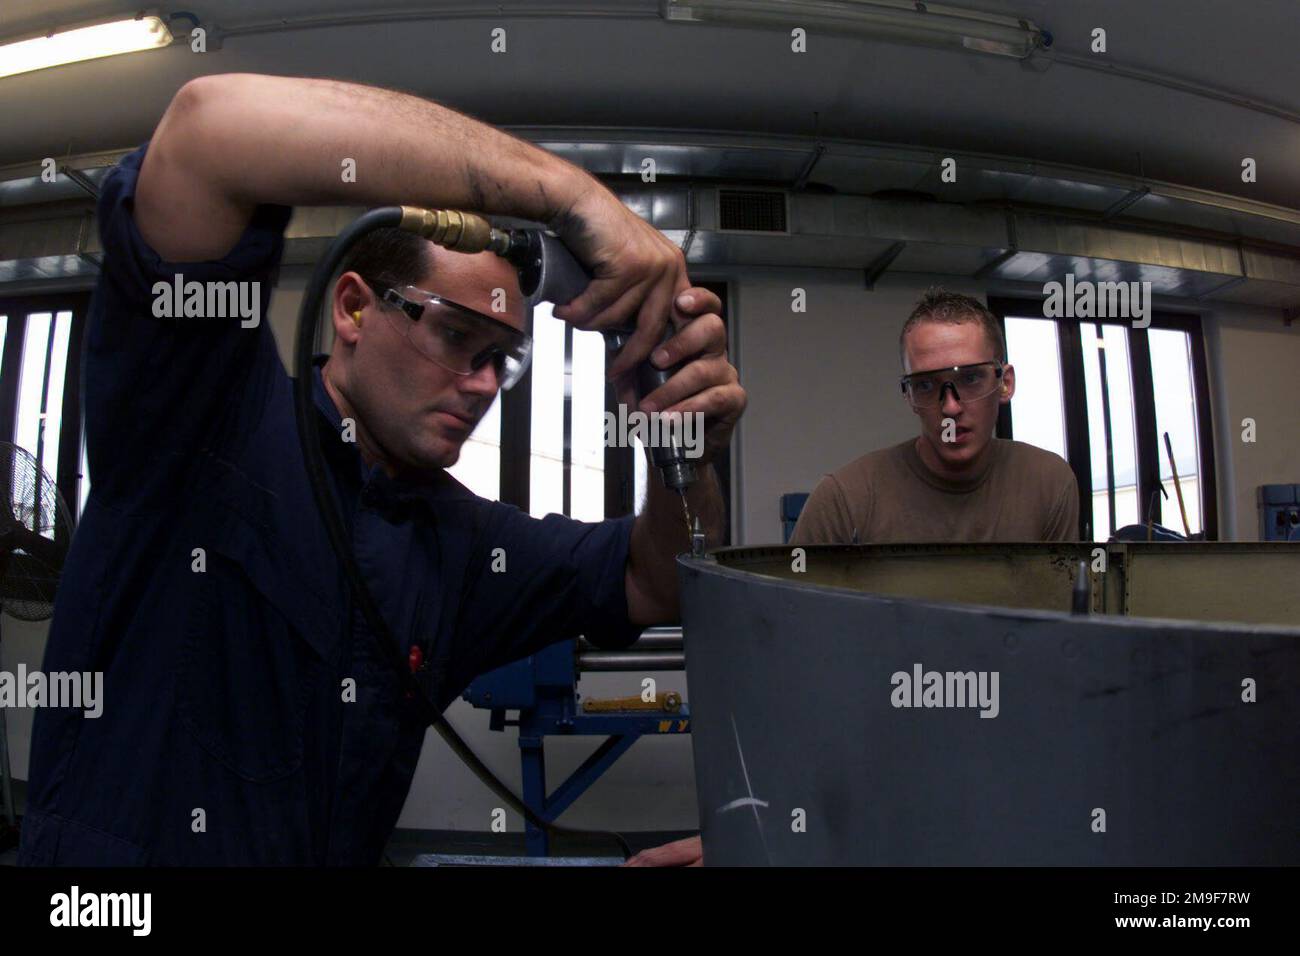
(83, 43)
(907, 21)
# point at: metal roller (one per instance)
(648, 641)
(631, 661)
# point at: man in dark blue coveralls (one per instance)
(200, 579)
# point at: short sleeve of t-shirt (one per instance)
(157, 389)
(825, 516)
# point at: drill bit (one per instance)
(686, 513)
(697, 540)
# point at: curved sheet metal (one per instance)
(1116, 741)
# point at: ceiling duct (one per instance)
(1005, 222)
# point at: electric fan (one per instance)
(35, 529)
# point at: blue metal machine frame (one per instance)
(543, 688)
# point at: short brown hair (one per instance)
(390, 256)
(953, 308)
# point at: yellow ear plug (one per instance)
(356, 317)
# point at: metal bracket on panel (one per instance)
(878, 266)
(81, 179)
(801, 181)
(83, 231)
(1013, 247)
(1125, 201)
(984, 271)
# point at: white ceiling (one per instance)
(620, 65)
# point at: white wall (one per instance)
(1256, 359)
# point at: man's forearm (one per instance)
(659, 535)
(252, 139)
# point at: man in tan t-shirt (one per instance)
(955, 481)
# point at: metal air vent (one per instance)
(751, 210)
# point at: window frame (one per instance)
(1149, 444)
(18, 308)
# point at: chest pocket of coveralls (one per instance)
(256, 648)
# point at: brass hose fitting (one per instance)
(455, 230)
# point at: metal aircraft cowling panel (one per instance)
(1142, 720)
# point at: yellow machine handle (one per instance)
(670, 702)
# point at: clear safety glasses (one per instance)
(969, 383)
(455, 336)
